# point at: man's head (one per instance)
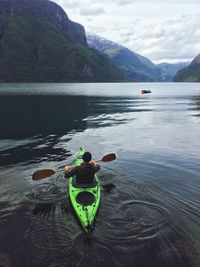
(87, 157)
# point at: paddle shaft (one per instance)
(99, 160)
(41, 174)
(60, 170)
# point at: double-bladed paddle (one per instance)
(41, 174)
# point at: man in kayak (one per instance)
(85, 172)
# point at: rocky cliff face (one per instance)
(44, 9)
(38, 43)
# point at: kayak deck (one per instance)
(85, 201)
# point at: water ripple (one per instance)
(136, 220)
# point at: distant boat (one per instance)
(145, 92)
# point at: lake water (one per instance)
(150, 218)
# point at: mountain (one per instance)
(39, 43)
(134, 66)
(169, 70)
(191, 73)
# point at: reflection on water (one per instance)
(27, 116)
(42, 150)
(149, 212)
(46, 119)
(195, 106)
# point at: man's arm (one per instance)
(95, 166)
(69, 171)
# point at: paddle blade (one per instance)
(109, 157)
(41, 174)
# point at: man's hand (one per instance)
(67, 168)
(92, 162)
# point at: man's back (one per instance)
(84, 173)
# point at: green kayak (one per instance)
(85, 200)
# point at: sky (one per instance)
(161, 30)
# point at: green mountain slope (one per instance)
(169, 70)
(134, 66)
(38, 43)
(190, 73)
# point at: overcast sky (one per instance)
(162, 30)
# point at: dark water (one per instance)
(151, 217)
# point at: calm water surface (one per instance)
(151, 217)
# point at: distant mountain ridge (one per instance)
(38, 43)
(134, 66)
(190, 73)
(169, 70)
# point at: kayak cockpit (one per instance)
(85, 198)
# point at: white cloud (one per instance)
(100, 29)
(116, 2)
(174, 40)
(124, 2)
(69, 4)
(92, 11)
(159, 30)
